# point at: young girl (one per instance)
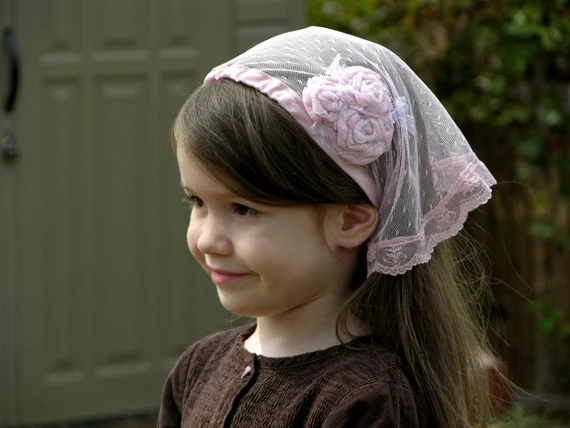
(323, 177)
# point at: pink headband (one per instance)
(293, 103)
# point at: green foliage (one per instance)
(502, 69)
(518, 417)
(556, 331)
(551, 319)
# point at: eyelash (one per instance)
(192, 202)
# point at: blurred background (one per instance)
(98, 292)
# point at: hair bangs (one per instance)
(254, 148)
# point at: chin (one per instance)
(244, 308)
(239, 307)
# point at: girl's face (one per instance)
(264, 260)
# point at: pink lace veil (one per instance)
(382, 125)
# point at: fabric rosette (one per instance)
(357, 105)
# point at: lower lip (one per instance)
(224, 278)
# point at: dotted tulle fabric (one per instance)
(429, 179)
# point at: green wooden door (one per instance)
(103, 295)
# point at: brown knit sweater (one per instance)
(218, 383)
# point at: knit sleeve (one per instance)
(376, 405)
(171, 405)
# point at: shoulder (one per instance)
(356, 368)
(373, 390)
(378, 404)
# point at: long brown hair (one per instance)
(427, 316)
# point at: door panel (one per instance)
(9, 218)
(258, 20)
(108, 295)
(109, 292)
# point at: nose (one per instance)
(212, 237)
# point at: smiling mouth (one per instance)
(221, 277)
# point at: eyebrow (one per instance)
(186, 187)
(226, 194)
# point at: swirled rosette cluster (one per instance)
(357, 105)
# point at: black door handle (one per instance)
(9, 44)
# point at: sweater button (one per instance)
(246, 371)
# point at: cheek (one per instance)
(192, 240)
(284, 252)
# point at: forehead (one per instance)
(194, 178)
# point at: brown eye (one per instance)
(193, 202)
(244, 211)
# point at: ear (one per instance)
(352, 225)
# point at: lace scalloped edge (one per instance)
(484, 181)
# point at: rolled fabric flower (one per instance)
(361, 139)
(371, 93)
(356, 104)
(324, 104)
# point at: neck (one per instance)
(307, 328)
